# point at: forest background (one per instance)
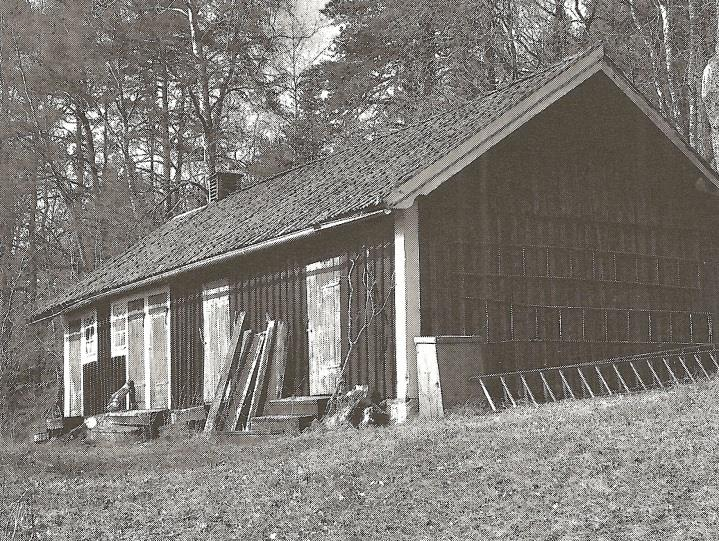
(113, 113)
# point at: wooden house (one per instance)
(556, 219)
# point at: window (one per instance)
(118, 326)
(89, 338)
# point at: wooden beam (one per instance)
(259, 396)
(239, 408)
(278, 363)
(228, 366)
(197, 413)
(407, 308)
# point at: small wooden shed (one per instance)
(557, 219)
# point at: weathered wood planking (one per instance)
(323, 284)
(233, 387)
(558, 256)
(216, 333)
(228, 366)
(136, 350)
(158, 349)
(240, 381)
(240, 407)
(186, 415)
(276, 371)
(259, 393)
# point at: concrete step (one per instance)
(298, 405)
(280, 424)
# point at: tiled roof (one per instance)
(342, 184)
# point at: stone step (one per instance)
(298, 405)
(134, 418)
(280, 424)
(119, 434)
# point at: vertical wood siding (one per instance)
(272, 284)
(104, 376)
(572, 241)
(186, 346)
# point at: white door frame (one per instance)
(213, 290)
(145, 295)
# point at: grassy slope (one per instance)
(642, 467)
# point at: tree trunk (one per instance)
(32, 237)
(165, 133)
(203, 106)
(670, 60)
(559, 37)
(652, 57)
(695, 61)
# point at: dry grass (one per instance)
(641, 467)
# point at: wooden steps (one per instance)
(134, 418)
(298, 405)
(119, 434)
(280, 424)
(290, 415)
(128, 426)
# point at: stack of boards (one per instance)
(253, 373)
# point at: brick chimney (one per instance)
(710, 96)
(223, 183)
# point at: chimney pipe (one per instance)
(222, 184)
(710, 94)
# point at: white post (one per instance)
(66, 368)
(407, 309)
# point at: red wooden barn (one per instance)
(560, 218)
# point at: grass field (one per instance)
(639, 467)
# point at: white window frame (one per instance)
(117, 350)
(88, 349)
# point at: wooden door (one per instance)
(216, 333)
(73, 371)
(324, 325)
(158, 352)
(136, 350)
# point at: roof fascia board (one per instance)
(660, 122)
(445, 168)
(221, 258)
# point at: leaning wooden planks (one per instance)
(232, 359)
(267, 375)
(253, 374)
(239, 408)
(271, 372)
(278, 363)
(259, 394)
